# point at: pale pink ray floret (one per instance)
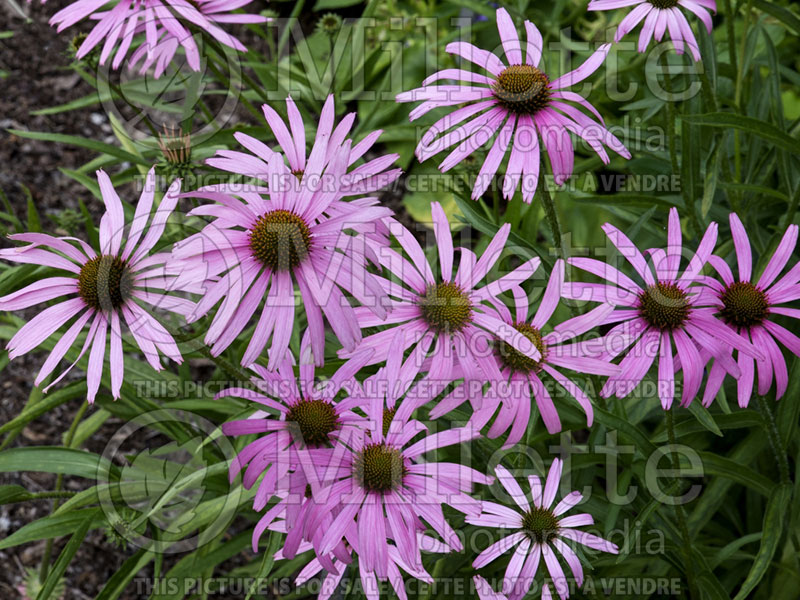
(752, 306)
(102, 289)
(519, 105)
(671, 310)
(661, 16)
(266, 242)
(541, 531)
(166, 24)
(447, 321)
(366, 178)
(524, 378)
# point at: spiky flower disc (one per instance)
(522, 89)
(744, 305)
(280, 239)
(105, 282)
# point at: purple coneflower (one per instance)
(749, 308)
(660, 16)
(485, 591)
(369, 580)
(522, 376)
(515, 100)
(541, 531)
(669, 309)
(263, 244)
(366, 178)
(166, 24)
(103, 288)
(454, 311)
(378, 485)
(309, 421)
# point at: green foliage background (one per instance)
(733, 146)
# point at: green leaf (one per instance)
(717, 492)
(704, 418)
(87, 427)
(729, 550)
(13, 493)
(714, 464)
(772, 531)
(91, 229)
(762, 129)
(34, 222)
(86, 181)
(737, 420)
(612, 421)
(267, 561)
(629, 199)
(117, 583)
(481, 8)
(756, 189)
(710, 184)
(53, 459)
(332, 4)
(46, 404)
(783, 15)
(52, 526)
(84, 102)
(190, 564)
(61, 564)
(82, 142)
(488, 228)
(789, 407)
(706, 579)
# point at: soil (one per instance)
(36, 70)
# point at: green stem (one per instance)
(225, 80)
(552, 214)
(711, 100)
(737, 146)
(673, 151)
(59, 494)
(680, 512)
(118, 91)
(670, 125)
(248, 81)
(333, 67)
(774, 438)
(708, 91)
(731, 35)
(298, 7)
(792, 209)
(48, 549)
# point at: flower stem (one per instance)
(708, 91)
(680, 512)
(57, 494)
(731, 36)
(332, 65)
(774, 438)
(552, 215)
(228, 84)
(670, 124)
(688, 194)
(711, 101)
(298, 8)
(140, 113)
(792, 209)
